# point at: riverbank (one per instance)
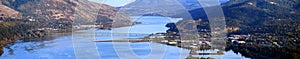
(13, 31)
(61, 46)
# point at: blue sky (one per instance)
(115, 3)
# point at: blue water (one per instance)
(60, 45)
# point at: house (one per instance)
(32, 20)
(173, 43)
(193, 46)
(156, 36)
(241, 42)
(164, 41)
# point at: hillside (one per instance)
(80, 11)
(279, 17)
(8, 12)
(253, 12)
(96, 13)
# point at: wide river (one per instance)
(79, 44)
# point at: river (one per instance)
(62, 45)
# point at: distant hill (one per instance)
(162, 7)
(154, 7)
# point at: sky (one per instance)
(115, 3)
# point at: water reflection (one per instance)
(47, 47)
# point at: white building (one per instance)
(155, 37)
